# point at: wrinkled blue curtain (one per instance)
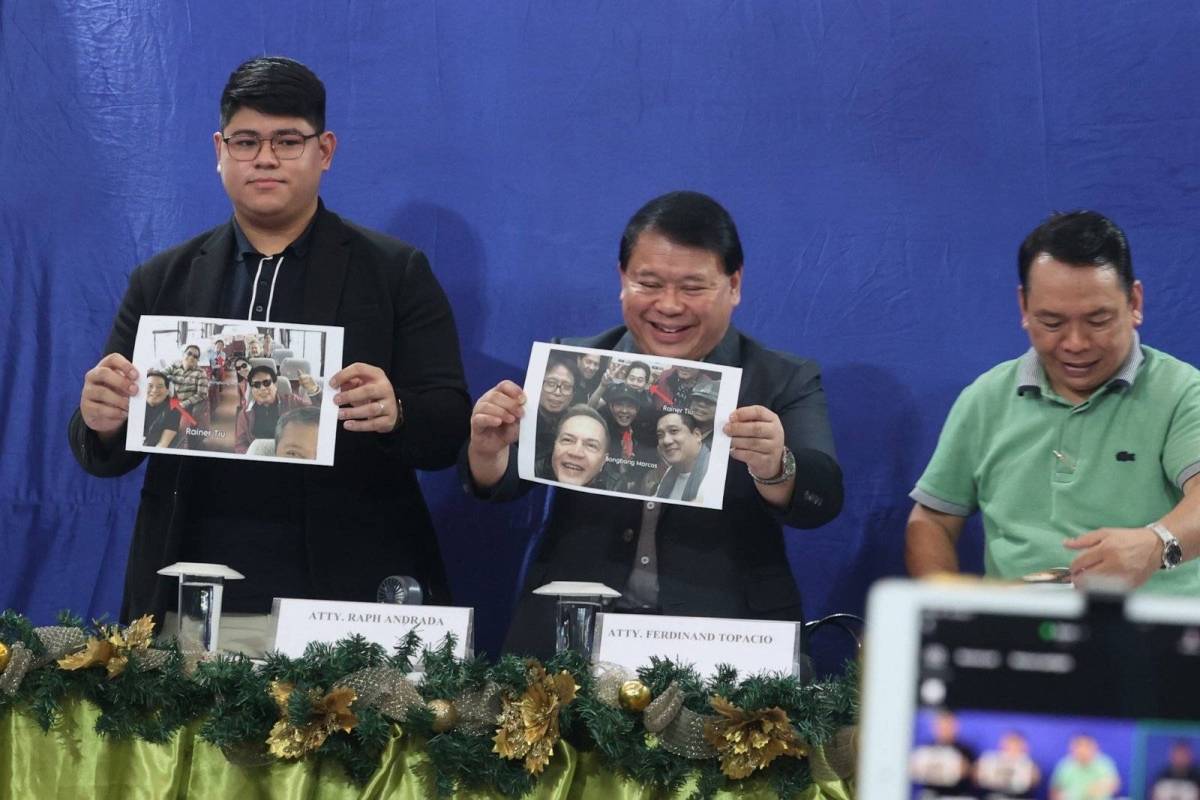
(882, 159)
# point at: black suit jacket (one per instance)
(365, 518)
(727, 563)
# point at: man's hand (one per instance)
(756, 439)
(370, 398)
(307, 383)
(1131, 554)
(107, 387)
(496, 419)
(495, 425)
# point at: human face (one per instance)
(1013, 744)
(243, 369)
(220, 346)
(156, 390)
(268, 192)
(578, 454)
(255, 349)
(298, 441)
(637, 379)
(945, 728)
(623, 412)
(677, 300)
(678, 444)
(264, 393)
(703, 409)
(686, 373)
(589, 365)
(1080, 321)
(191, 357)
(1083, 749)
(561, 383)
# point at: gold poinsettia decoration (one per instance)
(328, 715)
(113, 647)
(529, 726)
(747, 741)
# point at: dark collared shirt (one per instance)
(268, 499)
(267, 287)
(641, 591)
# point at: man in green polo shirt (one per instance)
(1084, 452)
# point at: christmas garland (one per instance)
(487, 726)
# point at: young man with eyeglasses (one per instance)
(283, 257)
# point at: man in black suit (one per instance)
(292, 530)
(680, 265)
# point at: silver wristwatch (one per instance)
(787, 470)
(1172, 553)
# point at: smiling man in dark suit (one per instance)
(292, 530)
(680, 267)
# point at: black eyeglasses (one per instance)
(557, 387)
(263, 384)
(286, 146)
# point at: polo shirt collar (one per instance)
(1030, 370)
(247, 251)
(725, 353)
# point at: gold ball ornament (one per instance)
(4, 656)
(444, 715)
(634, 696)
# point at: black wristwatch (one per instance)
(1172, 555)
(787, 472)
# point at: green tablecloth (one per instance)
(72, 762)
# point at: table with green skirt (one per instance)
(72, 761)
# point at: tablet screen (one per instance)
(1042, 707)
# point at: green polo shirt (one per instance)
(1041, 470)
(1075, 781)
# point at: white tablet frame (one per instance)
(892, 639)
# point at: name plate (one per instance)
(750, 646)
(298, 622)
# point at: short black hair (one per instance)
(690, 219)
(154, 373)
(559, 358)
(639, 365)
(688, 420)
(304, 415)
(191, 347)
(262, 368)
(582, 410)
(1081, 239)
(277, 86)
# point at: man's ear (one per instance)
(1021, 304)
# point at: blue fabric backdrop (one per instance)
(882, 159)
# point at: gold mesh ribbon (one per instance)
(680, 730)
(835, 760)
(115, 647)
(385, 689)
(607, 679)
(58, 642)
(479, 710)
